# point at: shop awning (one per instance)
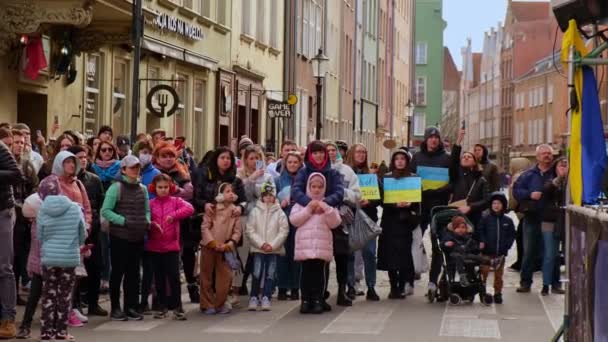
(179, 53)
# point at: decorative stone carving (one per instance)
(25, 16)
(91, 39)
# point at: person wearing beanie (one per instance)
(489, 169)
(267, 229)
(126, 208)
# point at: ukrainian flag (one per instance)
(587, 155)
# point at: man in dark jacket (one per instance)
(490, 170)
(9, 176)
(528, 191)
(432, 154)
(94, 263)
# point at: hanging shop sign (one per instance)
(277, 109)
(162, 100)
(166, 22)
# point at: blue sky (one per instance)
(470, 19)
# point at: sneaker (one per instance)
(160, 314)
(432, 287)
(253, 304)
(179, 315)
(408, 290)
(46, 338)
(557, 290)
(210, 312)
(145, 310)
(265, 304)
(24, 333)
(295, 294)
(225, 310)
(498, 298)
(80, 316)
(282, 295)
(97, 311)
(235, 301)
(544, 291)
(8, 329)
(118, 315)
(372, 295)
(132, 315)
(73, 321)
(523, 289)
(351, 293)
(64, 337)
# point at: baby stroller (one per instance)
(448, 288)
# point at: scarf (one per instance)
(316, 165)
(104, 164)
(108, 173)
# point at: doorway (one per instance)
(32, 110)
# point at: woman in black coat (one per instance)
(467, 184)
(398, 222)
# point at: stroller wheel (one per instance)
(455, 299)
(431, 296)
(486, 299)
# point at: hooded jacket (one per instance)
(71, 186)
(438, 158)
(160, 209)
(352, 191)
(496, 230)
(463, 243)
(61, 232)
(314, 239)
(490, 170)
(267, 223)
(334, 187)
(9, 176)
(221, 227)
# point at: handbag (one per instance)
(463, 202)
(421, 261)
(363, 229)
(232, 260)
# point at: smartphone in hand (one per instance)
(259, 164)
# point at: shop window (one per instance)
(199, 115)
(153, 121)
(92, 112)
(119, 97)
(181, 87)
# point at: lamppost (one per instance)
(319, 64)
(410, 114)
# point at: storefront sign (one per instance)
(162, 100)
(276, 109)
(173, 24)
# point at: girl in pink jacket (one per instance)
(314, 242)
(163, 243)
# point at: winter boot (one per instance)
(343, 299)
(194, 294)
(8, 329)
(282, 295)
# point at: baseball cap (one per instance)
(129, 161)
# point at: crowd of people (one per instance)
(83, 217)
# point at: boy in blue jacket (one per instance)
(497, 234)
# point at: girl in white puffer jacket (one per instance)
(267, 230)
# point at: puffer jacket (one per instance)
(285, 181)
(352, 191)
(184, 189)
(9, 177)
(496, 230)
(61, 231)
(160, 208)
(267, 224)
(221, 227)
(208, 183)
(314, 239)
(334, 192)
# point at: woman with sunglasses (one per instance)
(106, 164)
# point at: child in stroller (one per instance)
(463, 251)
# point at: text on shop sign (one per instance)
(164, 21)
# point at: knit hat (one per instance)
(140, 145)
(244, 143)
(431, 131)
(268, 188)
(457, 221)
(129, 161)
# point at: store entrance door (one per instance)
(32, 110)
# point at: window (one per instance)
(260, 21)
(549, 128)
(305, 26)
(516, 135)
(550, 94)
(531, 99)
(541, 94)
(421, 52)
(222, 12)
(318, 27)
(530, 127)
(246, 18)
(92, 112)
(299, 26)
(421, 91)
(182, 89)
(199, 114)
(274, 30)
(206, 8)
(419, 123)
(119, 96)
(541, 131)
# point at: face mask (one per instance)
(145, 159)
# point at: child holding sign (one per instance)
(398, 221)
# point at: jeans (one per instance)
(369, 261)
(264, 273)
(8, 289)
(166, 271)
(550, 263)
(32, 301)
(126, 263)
(533, 249)
(288, 270)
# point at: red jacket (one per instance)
(167, 240)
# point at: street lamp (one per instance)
(410, 114)
(319, 65)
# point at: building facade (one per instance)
(450, 112)
(490, 89)
(429, 65)
(368, 117)
(348, 56)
